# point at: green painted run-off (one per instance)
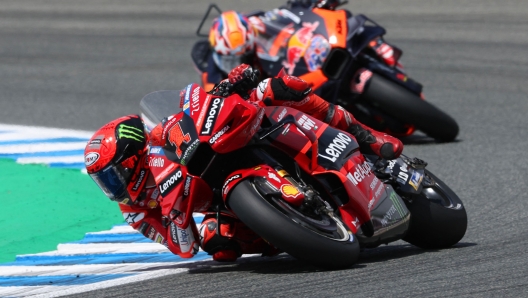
(42, 207)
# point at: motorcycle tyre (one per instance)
(281, 231)
(408, 107)
(433, 225)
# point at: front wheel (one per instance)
(407, 107)
(438, 217)
(317, 238)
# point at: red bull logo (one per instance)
(298, 44)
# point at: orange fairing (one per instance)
(281, 40)
(316, 79)
(336, 26)
(205, 84)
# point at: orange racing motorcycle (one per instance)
(298, 183)
(345, 59)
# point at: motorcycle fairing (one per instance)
(334, 146)
(192, 98)
(359, 34)
(180, 137)
(374, 203)
(176, 186)
(205, 120)
(407, 176)
(285, 41)
(336, 25)
(390, 220)
(392, 74)
(338, 153)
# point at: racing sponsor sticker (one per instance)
(307, 123)
(362, 171)
(185, 238)
(211, 115)
(415, 180)
(157, 162)
(336, 148)
(91, 158)
(96, 142)
(225, 188)
(187, 187)
(152, 204)
(289, 191)
(174, 233)
(170, 182)
(132, 218)
(177, 137)
(141, 177)
(217, 135)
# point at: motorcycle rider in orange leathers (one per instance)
(233, 41)
(116, 159)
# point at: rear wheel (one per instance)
(317, 238)
(438, 217)
(408, 107)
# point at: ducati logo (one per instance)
(176, 138)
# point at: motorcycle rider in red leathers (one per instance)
(116, 159)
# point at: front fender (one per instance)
(268, 181)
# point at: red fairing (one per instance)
(175, 188)
(275, 179)
(338, 153)
(227, 124)
(237, 121)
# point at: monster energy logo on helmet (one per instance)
(130, 132)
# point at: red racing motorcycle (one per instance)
(298, 183)
(346, 60)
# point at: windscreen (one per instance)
(159, 104)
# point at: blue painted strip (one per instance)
(63, 280)
(40, 260)
(52, 140)
(43, 154)
(113, 238)
(74, 165)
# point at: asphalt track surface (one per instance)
(78, 64)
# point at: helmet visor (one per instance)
(227, 62)
(112, 182)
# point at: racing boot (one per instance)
(292, 91)
(369, 140)
(219, 245)
(234, 239)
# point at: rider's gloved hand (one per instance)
(223, 89)
(244, 79)
(285, 88)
